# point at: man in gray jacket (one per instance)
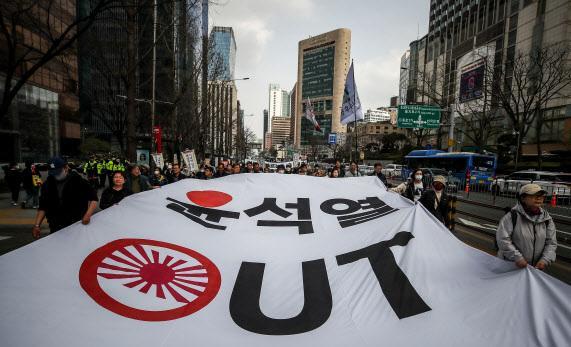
(531, 237)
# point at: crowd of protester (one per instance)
(66, 197)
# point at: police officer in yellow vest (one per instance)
(101, 168)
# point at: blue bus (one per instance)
(481, 168)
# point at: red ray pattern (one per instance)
(136, 265)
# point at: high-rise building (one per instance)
(103, 64)
(372, 116)
(403, 80)
(285, 104)
(280, 131)
(292, 105)
(464, 36)
(278, 101)
(274, 101)
(266, 128)
(224, 45)
(323, 63)
(43, 118)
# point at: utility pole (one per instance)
(154, 78)
(131, 80)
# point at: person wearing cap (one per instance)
(436, 200)
(530, 239)
(65, 198)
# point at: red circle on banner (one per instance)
(209, 198)
(156, 276)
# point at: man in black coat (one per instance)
(379, 173)
(65, 199)
(436, 200)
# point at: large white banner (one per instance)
(272, 260)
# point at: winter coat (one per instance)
(382, 177)
(143, 183)
(70, 208)
(110, 197)
(407, 189)
(428, 199)
(350, 174)
(533, 239)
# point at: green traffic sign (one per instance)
(418, 116)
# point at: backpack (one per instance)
(514, 222)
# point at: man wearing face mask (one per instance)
(413, 189)
(436, 200)
(65, 198)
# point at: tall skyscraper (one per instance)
(285, 104)
(224, 45)
(274, 101)
(292, 104)
(266, 127)
(323, 63)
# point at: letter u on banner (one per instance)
(245, 301)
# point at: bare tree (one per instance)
(242, 142)
(528, 84)
(31, 37)
(475, 115)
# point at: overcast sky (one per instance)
(268, 31)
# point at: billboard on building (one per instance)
(472, 81)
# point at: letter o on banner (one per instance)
(328, 206)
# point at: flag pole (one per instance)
(354, 112)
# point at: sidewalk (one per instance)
(16, 224)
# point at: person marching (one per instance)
(526, 235)
(65, 198)
(436, 200)
(413, 188)
(116, 192)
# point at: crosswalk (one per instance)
(2, 238)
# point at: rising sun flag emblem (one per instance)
(176, 281)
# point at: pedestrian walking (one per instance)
(526, 235)
(136, 182)
(31, 182)
(13, 178)
(114, 194)
(436, 200)
(413, 188)
(65, 198)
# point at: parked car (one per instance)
(552, 182)
(453, 183)
(366, 170)
(392, 170)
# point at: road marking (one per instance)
(5, 237)
(469, 223)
